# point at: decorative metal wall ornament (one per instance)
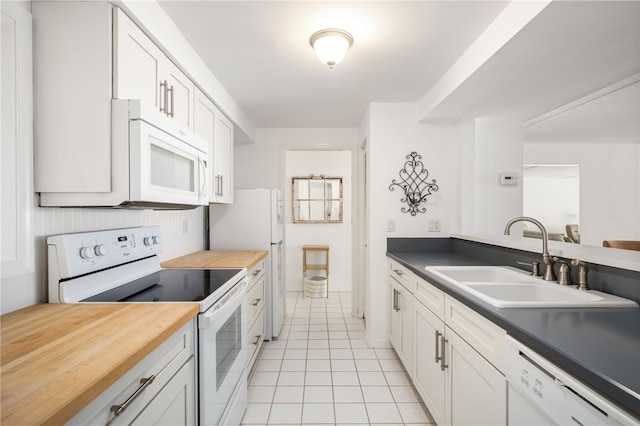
(414, 184)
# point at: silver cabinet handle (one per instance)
(258, 337)
(221, 185)
(171, 113)
(438, 334)
(398, 271)
(443, 346)
(255, 303)
(397, 300)
(257, 272)
(119, 409)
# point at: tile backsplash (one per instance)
(182, 232)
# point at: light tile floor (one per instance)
(321, 371)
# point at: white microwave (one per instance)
(155, 163)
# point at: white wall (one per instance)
(338, 236)
(392, 134)
(498, 149)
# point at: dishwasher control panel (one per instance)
(538, 387)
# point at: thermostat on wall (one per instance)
(508, 178)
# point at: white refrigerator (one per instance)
(255, 221)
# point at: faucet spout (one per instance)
(549, 273)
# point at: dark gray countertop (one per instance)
(598, 346)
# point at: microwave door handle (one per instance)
(203, 176)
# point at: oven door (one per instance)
(222, 351)
(170, 170)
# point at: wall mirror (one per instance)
(600, 136)
(316, 199)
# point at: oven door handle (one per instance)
(229, 300)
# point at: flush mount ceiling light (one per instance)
(331, 45)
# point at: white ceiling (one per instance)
(259, 51)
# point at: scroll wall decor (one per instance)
(414, 185)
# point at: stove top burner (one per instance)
(169, 285)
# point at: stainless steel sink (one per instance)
(506, 287)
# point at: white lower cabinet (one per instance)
(428, 377)
(175, 402)
(159, 390)
(401, 321)
(457, 355)
(475, 392)
(256, 312)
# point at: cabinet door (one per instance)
(429, 379)
(175, 403)
(222, 160)
(136, 62)
(180, 93)
(204, 113)
(400, 322)
(476, 391)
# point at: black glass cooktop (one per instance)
(169, 285)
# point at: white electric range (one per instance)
(122, 266)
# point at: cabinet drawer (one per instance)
(430, 296)
(256, 272)
(255, 299)
(163, 363)
(255, 338)
(403, 275)
(483, 335)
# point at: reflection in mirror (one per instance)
(601, 135)
(317, 199)
(559, 186)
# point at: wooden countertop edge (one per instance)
(217, 259)
(32, 408)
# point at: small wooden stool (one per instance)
(315, 285)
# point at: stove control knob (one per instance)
(148, 241)
(156, 239)
(87, 252)
(101, 250)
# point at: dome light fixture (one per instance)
(331, 45)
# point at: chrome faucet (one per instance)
(549, 273)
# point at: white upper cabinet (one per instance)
(222, 172)
(211, 125)
(136, 62)
(142, 71)
(85, 55)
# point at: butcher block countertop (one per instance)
(218, 259)
(57, 358)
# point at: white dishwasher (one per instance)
(542, 394)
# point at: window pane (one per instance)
(316, 191)
(316, 210)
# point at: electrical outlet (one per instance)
(185, 227)
(391, 225)
(434, 225)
